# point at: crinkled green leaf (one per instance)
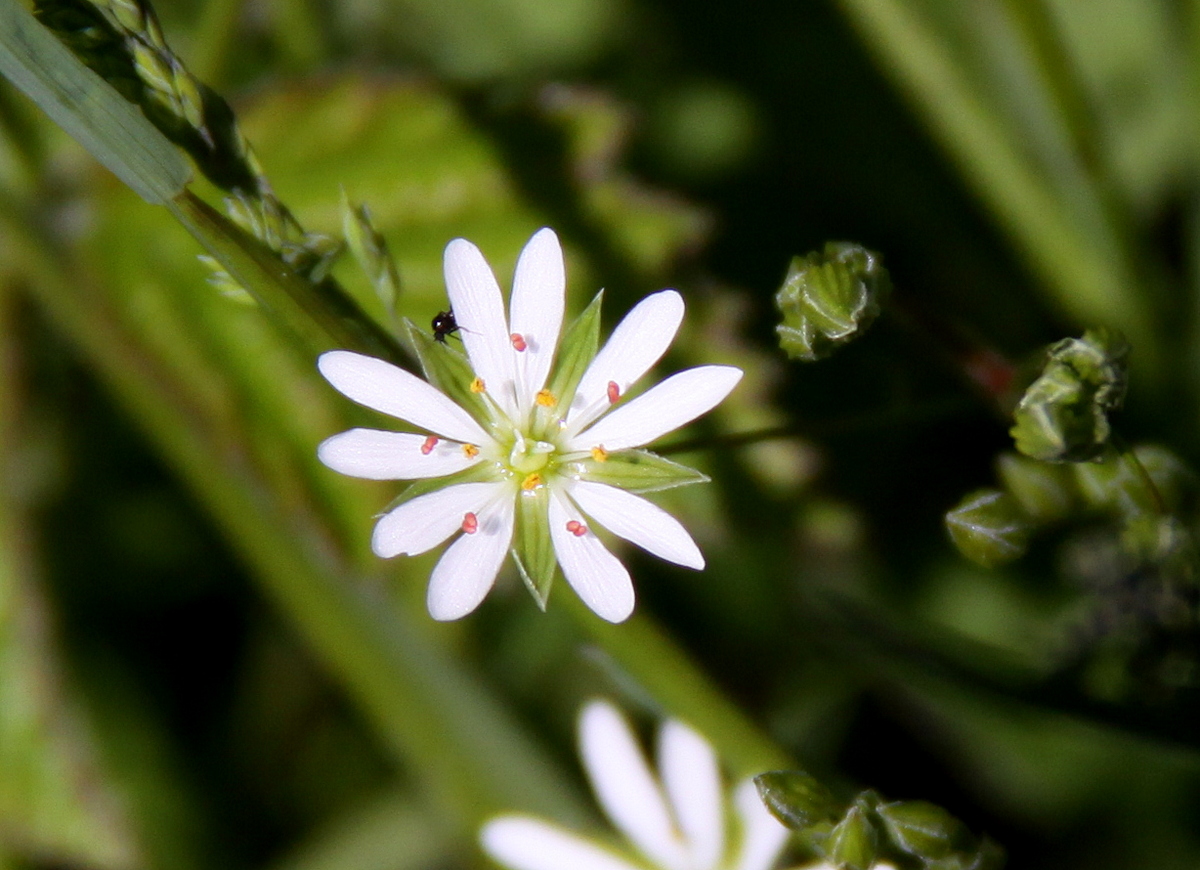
(1063, 415)
(639, 471)
(829, 298)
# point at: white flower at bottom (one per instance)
(523, 449)
(675, 821)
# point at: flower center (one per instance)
(528, 455)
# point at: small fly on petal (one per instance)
(444, 324)
(430, 443)
(470, 523)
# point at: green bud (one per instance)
(989, 527)
(797, 799)
(920, 829)
(1046, 493)
(829, 298)
(1063, 416)
(853, 842)
(1148, 480)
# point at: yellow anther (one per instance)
(532, 482)
(477, 385)
(470, 451)
(599, 453)
(546, 399)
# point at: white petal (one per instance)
(378, 455)
(763, 836)
(469, 566)
(479, 310)
(693, 782)
(538, 292)
(422, 523)
(390, 389)
(678, 400)
(596, 575)
(638, 342)
(625, 787)
(638, 521)
(525, 843)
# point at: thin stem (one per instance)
(1129, 457)
(886, 419)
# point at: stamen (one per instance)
(614, 392)
(599, 453)
(478, 386)
(470, 523)
(576, 528)
(470, 451)
(546, 399)
(430, 443)
(518, 342)
(532, 482)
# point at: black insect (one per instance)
(444, 324)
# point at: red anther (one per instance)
(576, 528)
(614, 392)
(430, 443)
(518, 341)
(470, 523)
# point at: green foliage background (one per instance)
(201, 663)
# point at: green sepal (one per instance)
(532, 549)
(853, 842)
(829, 298)
(796, 798)
(448, 369)
(1046, 492)
(636, 471)
(1063, 415)
(482, 471)
(921, 829)
(370, 250)
(576, 350)
(989, 527)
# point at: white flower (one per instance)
(675, 821)
(528, 457)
